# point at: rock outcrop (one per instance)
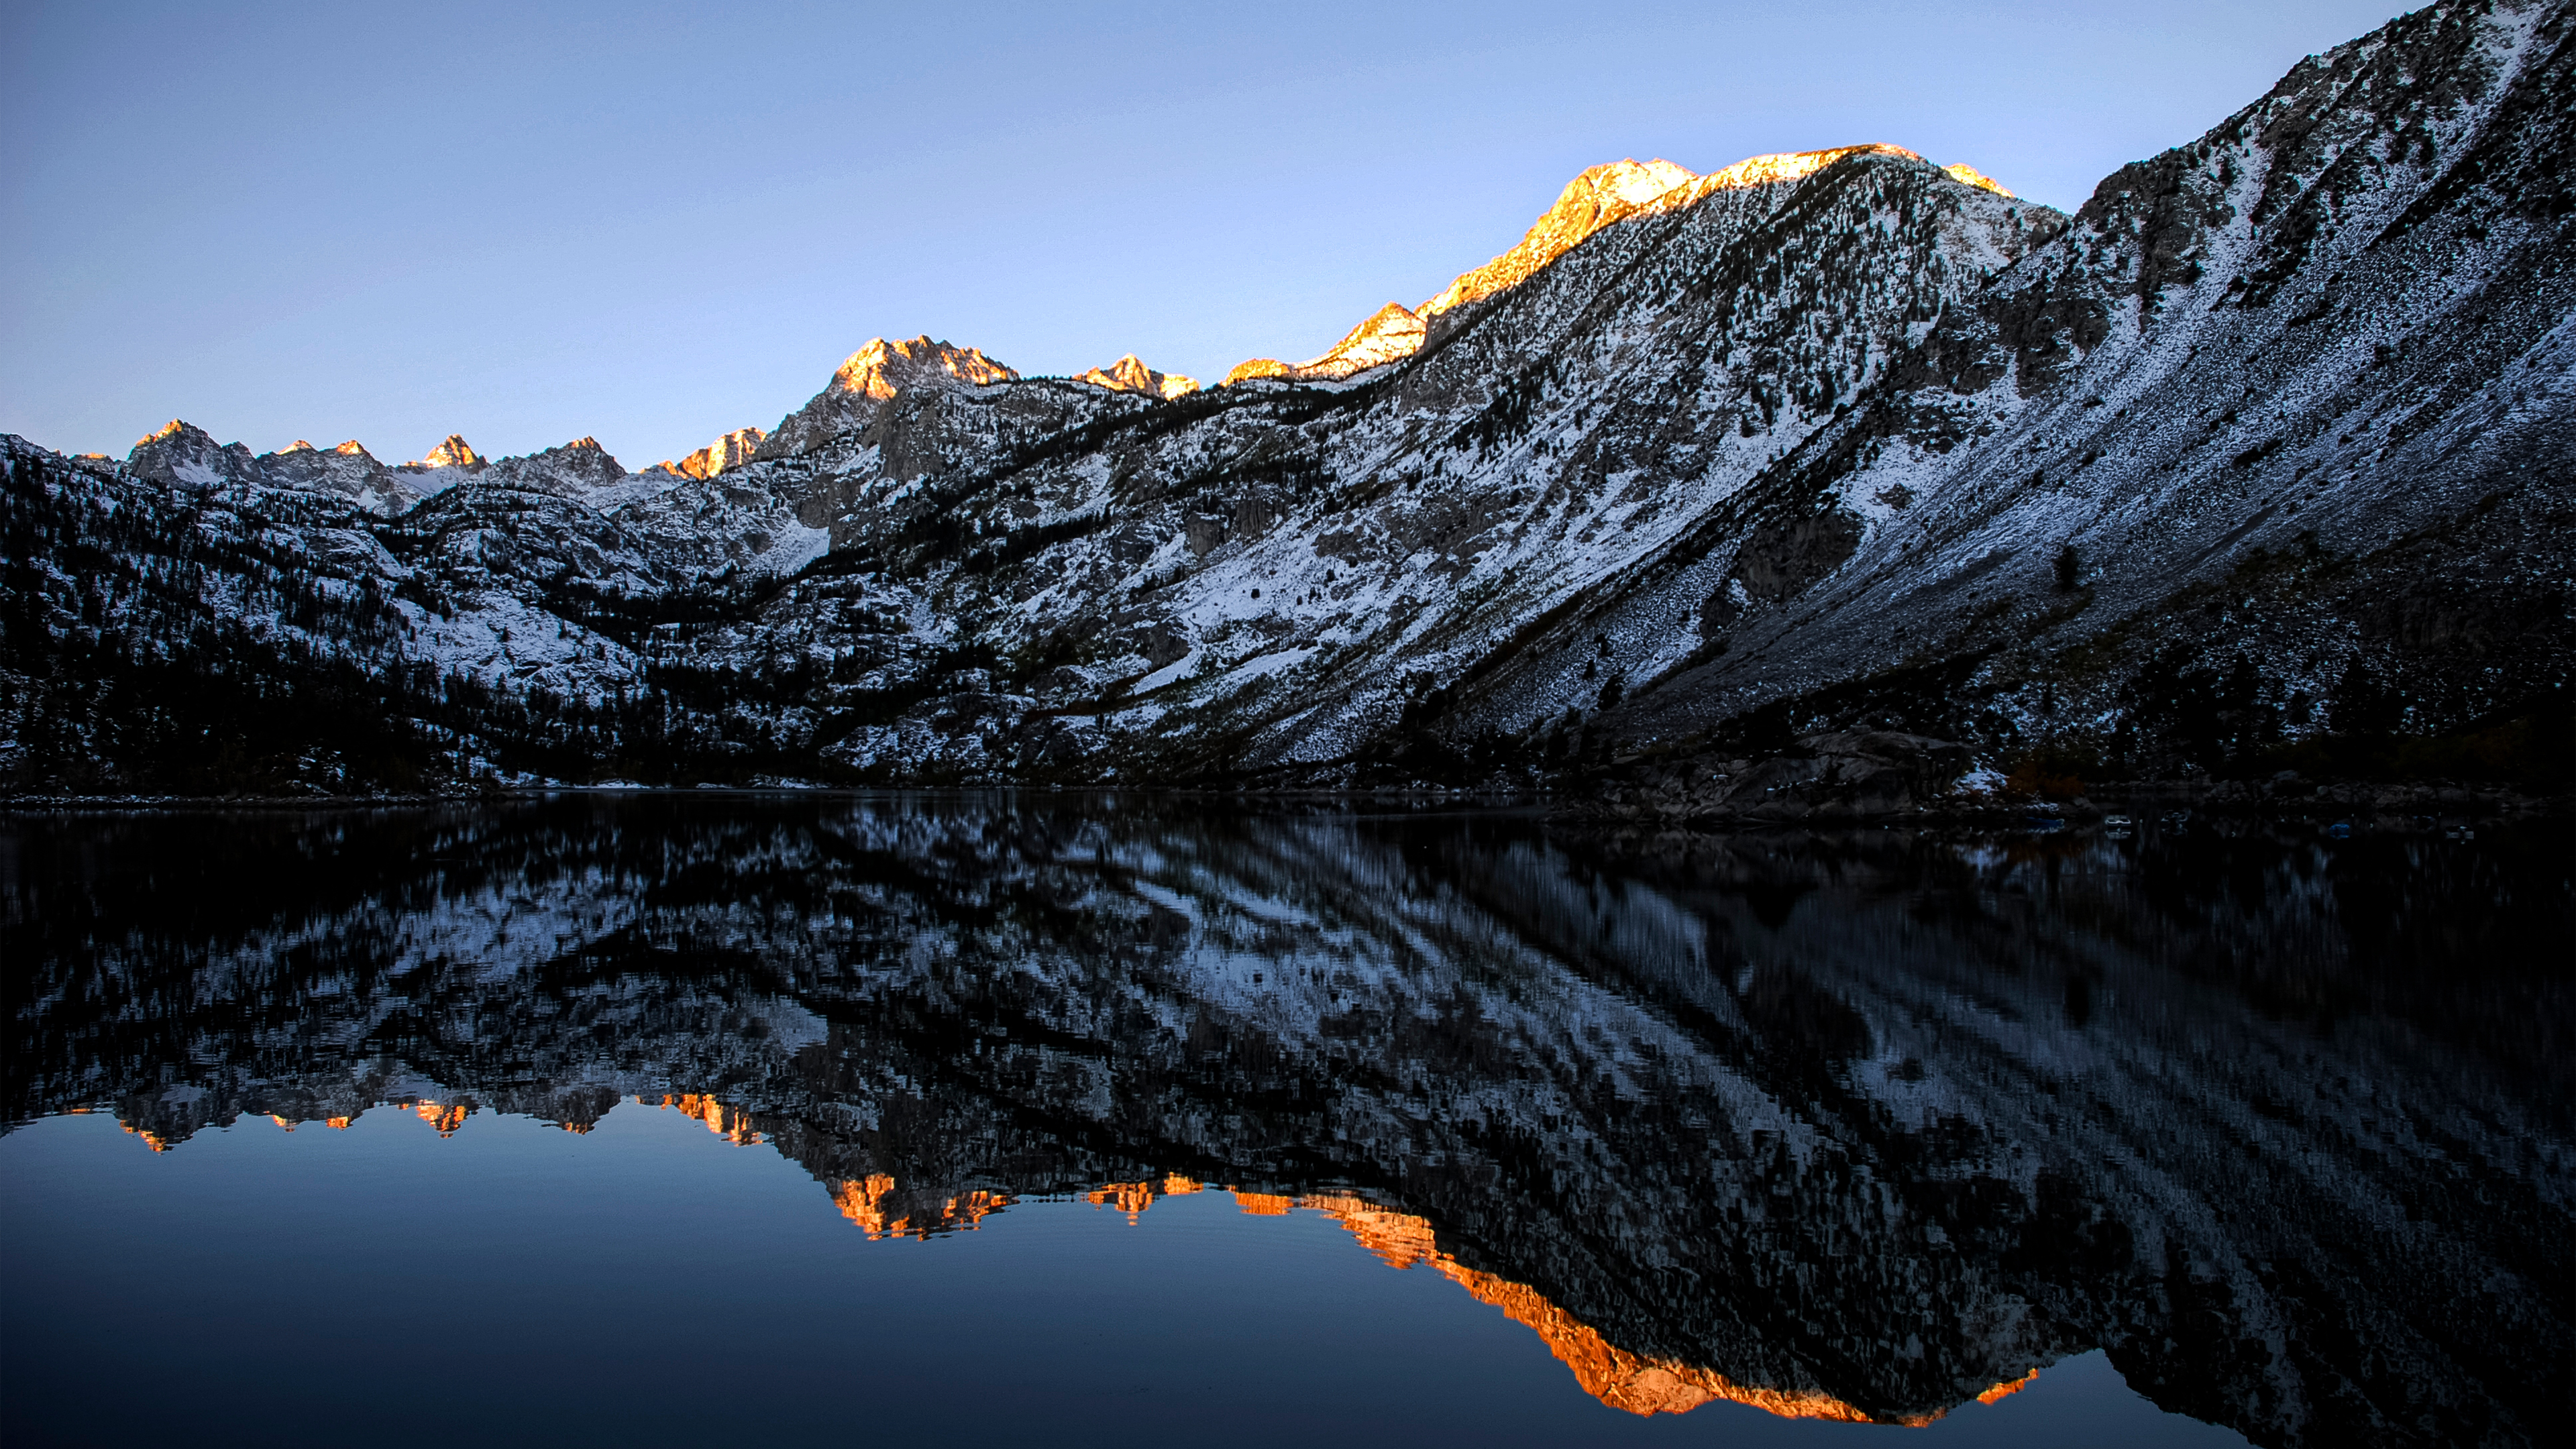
(731, 451)
(872, 379)
(1130, 374)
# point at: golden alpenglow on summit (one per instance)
(1962, 171)
(1599, 197)
(453, 453)
(732, 450)
(1391, 334)
(880, 368)
(1130, 374)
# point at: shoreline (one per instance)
(2379, 806)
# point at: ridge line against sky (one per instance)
(652, 223)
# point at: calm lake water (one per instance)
(1105, 1119)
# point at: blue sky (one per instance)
(653, 223)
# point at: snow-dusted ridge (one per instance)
(2268, 434)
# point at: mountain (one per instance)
(2254, 463)
(730, 451)
(1130, 374)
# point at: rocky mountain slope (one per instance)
(2264, 450)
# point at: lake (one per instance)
(661, 1119)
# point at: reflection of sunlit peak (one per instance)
(446, 1119)
(1632, 1382)
(729, 1123)
(1400, 1240)
(863, 1200)
(2008, 1388)
(341, 1124)
(1623, 1380)
(282, 1122)
(1262, 1204)
(1130, 1198)
(151, 1139)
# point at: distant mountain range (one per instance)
(2260, 457)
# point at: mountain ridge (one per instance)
(2260, 451)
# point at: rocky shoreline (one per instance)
(1888, 777)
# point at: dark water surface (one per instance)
(711, 1120)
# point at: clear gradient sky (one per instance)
(655, 222)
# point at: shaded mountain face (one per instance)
(2267, 444)
(1856, 1127)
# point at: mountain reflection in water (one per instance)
(1863, 1127)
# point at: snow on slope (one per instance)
(1697, 448)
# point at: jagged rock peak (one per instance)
(867, 385)
(882, 368)
(1392, 333)
(183, 453)
(1970, 175)
(1130, 374)
(1591, 201)
(569, 469)
(175, 428)
(728, 452)
(454, 453)
(1789, 166)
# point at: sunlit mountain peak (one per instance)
(730, 451)
(1130, 374)
(1963, 172)
(1600, 196)
(1391, 334)
(883, 367)
(453, 453)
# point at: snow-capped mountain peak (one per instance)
(875, 377)
(1391, 334)
(1839, 438)
(1130, 374)
(181, 454)
(730, 451)
(571, 469)
(1601, 196)
(1961, 171)
(1591, 201)
(882, 368)
(453, 453)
